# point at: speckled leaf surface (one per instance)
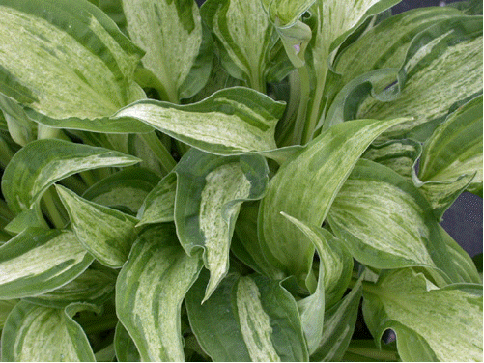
(41, 163)
(260, 320)
(84, 66)
(444, 324)
(150, 290)
(62, 338)
(231, 121)
(38, 261)
(210, 191)
(106, 233)
(321, 169)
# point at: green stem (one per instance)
(164, 157)
(55, 215)
(304, 99)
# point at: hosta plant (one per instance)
(248, 180)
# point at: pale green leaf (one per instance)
(320, 169)
(124, 346)
(443, 67)
(93, 286)
(246, 37)
(125, 190)
(84, 66)
(150, 290)
(38, 261)
(43, 162)
(234, 120)
(171, 34)
(35, 333)
(444, 324)
(159, 205)
(210, 190)
(106, 233)
(452, 157)
(385, 222)
(248, 318)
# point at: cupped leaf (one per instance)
(171, 34)
(38, 261)
(84, 66)
(417, 311)
(210, 190)
(36, 333)
(386, 222)
(150, 290)
(429, 83)
(234, 120)
(452, 157)
(320, 169)
(159, 204)
(125, 190)
(248, 318)
(106, 233)
(93, 286)
(43, 162)
(246, 37)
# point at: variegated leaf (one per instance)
(452, 157)
(125, 190)
(320, 169)
(86, 65)
(284, 13)
(93, 286)
(36, 333)
(234, 120)
(437, 324)
(159, 205)
(150, 290)
(387, 223)
(171, 34)
(429, 82)
(246, 37)
(106, 233)
(210, 190)
(43, 162)
(38, 261)
(248, 318)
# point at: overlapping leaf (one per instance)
(41, 163)
(233, 120)
(210, 190)
(62, 338)
(38, 261)
(249, 318)
(150, 290)
(83, 65)
(320, 168)
(418, 312)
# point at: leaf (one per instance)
(171, 34)
(62, 338)
(210, 190)
(320, 169)
(249, 318)
(150, 290)
(445, 161)
(43, 162)
(246, 37)
(159, 204)
(106, 233)
(38, 261)
(234, 120)
(339, 326)
(84, 65)
(430, 83)
(124, 190)
(6, 306)
(284, 13)
(417, 310)
(125, 349)
(385, 222)
(93, 286)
